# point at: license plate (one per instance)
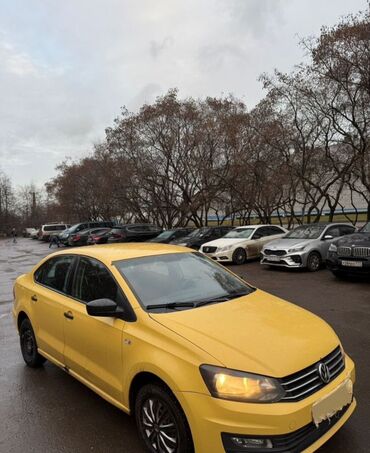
(273, 258)
(352, 263)
(330, 404)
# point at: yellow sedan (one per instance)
(205, 362)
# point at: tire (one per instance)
(239, 256)
(29, 345)
(161, 423)
(314, 261)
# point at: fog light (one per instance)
(237, 443)
(245, 442)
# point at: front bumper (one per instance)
(341, 265)
(211, 418)
(221, 256)
(293, 260)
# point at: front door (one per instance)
(93, 345)
(48, 305)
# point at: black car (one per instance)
(202, 235)
(136, 232)
(64, 236)
(170, 235)
(85, 237)
(350, 255)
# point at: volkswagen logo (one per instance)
(324, 373)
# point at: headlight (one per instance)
(297, 249)
(224, 249)
(182, 244)
(240, 386)
(333, 248)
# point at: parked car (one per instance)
(202, 235)
(52, 229)
(98, 236)
(85, 237)
(203, 361)
(350, 255)
(304, 247)
(35, 234)
(170, 235)
(63, 237)
(28, 232)
(135, 232)
(242, 243)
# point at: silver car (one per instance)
(306, 246)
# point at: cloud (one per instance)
(157, 47)
(67, 67)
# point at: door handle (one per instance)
(34, 298)
(68, 314)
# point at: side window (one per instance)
(94, 281)
(275, 230)
(332, 231)
(346, 230)
(260, 233)
(53, 273)
(217, 232)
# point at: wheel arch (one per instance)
(140, 379)
(22, 315)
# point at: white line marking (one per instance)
(3, 316)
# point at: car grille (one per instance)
(359, 252)
(209, 249)
(274, 252)
(300, 385)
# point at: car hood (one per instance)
(357, 239)
(286, 244)
(258, 333)
(223, 242)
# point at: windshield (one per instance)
(178, 277)
(366, 228)
(240, 233)
(306, 232)
(198, 232)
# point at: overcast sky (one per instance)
(66, 67)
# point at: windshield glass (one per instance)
(366, 228)
(178, 277)
(198, 232)
(306, 232)
(240, 233)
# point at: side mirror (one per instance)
(104, 307)
(327, 237)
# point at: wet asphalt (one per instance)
(46, 410)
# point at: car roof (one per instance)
(257, 226)
(109, 253)
(324, 224)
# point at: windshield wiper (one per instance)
(214, 300)
(170, 305)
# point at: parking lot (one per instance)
(45, 410)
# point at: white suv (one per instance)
(51, 229)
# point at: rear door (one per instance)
(48, 302)
(93, 345)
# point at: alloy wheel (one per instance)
(314, 262)
(159, 426)
(28, 344)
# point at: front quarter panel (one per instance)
(150, 347)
